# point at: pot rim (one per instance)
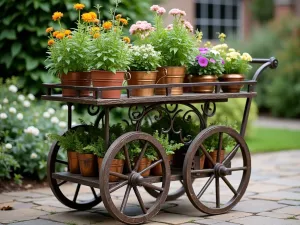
(121, 71)
(172, 66)
(143, 71)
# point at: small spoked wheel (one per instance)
(230, 171)
(69, 196)
(124, 199)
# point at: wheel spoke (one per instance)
(220, 146)
(207, 154)
(230, 156)
(138, 195)
(217, 192)
(151, 166)
(94, 193)
(206, 186)
(127, 159)
(140, 157)
(61, 183)
(203, 171)
(229, 185)
(115, 174)
(152, 186)
(125, 199)
(76, 192)
(237, 168)
(61, 161)
(118, 186)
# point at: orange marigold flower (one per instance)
(87, 17)
(55, 33)
(107, 25)
(57, 16)
(126, 39)
(69, 36)
(119, 16)
(79, 6)
(51, 42)
(96, 35)
(49, 29)
(68, 32)
(60, 35)
(96, 21)
(93, 15)
(124, 21)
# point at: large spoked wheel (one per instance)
(56, 159)
(122, 204)
(231, 175)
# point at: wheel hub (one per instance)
(221, 170)
(135, 179)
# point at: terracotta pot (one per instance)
(202, 161)
(144, 164)
(204, 78)
(73, 162)
(157, 170)
(76, 79)
(213, 155)
(170, 75)
(116, 166)
(142, 78)
(231, 78)
(101, 78)
(88, 165)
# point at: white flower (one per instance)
(26, 104)
(31, 96)
(3, 116)
(46, 115)
(13, 88)
(33, 155)
(54, 120)
(64, 107)
(51, 111)
(73, 107)
(62, 124)
(19, 116)
(21, 98)
(8, 146)
(32, 130)
(14, 103)
(74, 124)
(215, 52)
(12, 110)
(5, 100)
(66, 169)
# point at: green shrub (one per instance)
(7, 162)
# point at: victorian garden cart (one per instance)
(192, 179)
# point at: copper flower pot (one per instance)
(231, 78)
(73, 162)
(101, 78)
(116, 166)
(170, 75)
(204, 78)
(144, 164)
(142, 78)
(88, 165)
(76, 79)
(157, 170)
(213, 155)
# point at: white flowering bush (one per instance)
(24, 124)
(144, 58)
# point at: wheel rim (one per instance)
(133, 179)
(219, 173)
(55, 186)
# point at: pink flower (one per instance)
(154, 8)
(188, 26)
(169, 27)
(212, 61)
(175, 12)
(203, 62)
(161, 11)
(203, 50)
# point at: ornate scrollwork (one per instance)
(93, 110)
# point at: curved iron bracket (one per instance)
(272, 63)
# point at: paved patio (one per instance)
(272, 197)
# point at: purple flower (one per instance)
(222, 61)
(212, 61)
(203, 50)
(203, 62)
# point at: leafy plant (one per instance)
(66, 142)
(97, 148)
(7, 163)
(169, 145)
(263, 16)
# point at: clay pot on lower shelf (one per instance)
(204, 78)
(116, 166)
(75, 79)
(231, 78)
(88, 165)
(157, 170)
(101, 78)
(73, 162)
(213, 155)
(142, 78)
(144, 164)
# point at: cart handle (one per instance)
(272, 63)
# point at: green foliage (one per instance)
(263, 11)
(66, 141)
(7, 163)
(169, 145)
(97, 148)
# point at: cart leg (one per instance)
(106, 127)
(245, 117)
(69, 115)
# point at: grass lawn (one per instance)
(271, 139)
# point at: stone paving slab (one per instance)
(173, 218)
(257, 206)
(274, 215)
(37, 222)
(261, 220)
(230, 215)
(289, 202)
(20, 215)
(293, 210)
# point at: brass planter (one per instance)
(170, 75)
(76, 79)
(204, 78)
(142, 78)
(231, 78)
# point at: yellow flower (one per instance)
(49, 29)
(60, 35)
(93, 15)
(57, 16)
(107, 25)
(124, 21)
(228, 59)
(222, 36)
(119, 16)
(207, 44)
(87, 17)
(246, 57)
(67, 32)
(96, 35)
(231, 50)
(55, 33)
(51, 42)
(126, 39)
(79, 6)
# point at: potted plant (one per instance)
(111, 54)
(68, 144)
(143, 71)
(170, 148)
(206, 67)
(68, 55)
(235, 65)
